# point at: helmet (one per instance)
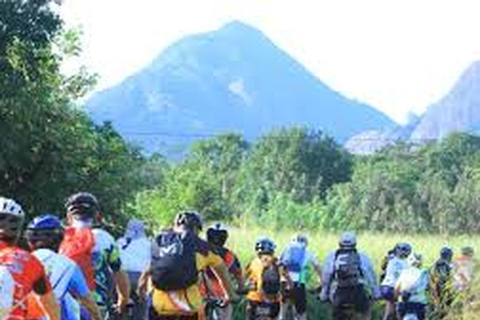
(415, 260)
(189, 219)
(44, 227)
(403, 249)
(135, 229)
(82, 204)
(217, 234)
(348, 240)
(300, 238)
(468, 251)
(265, 246)
(446, 253)
(11, 217)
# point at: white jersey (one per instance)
(135, 254)
(415, 282)
(394, 268)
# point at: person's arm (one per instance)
(120, 278)
(143, 283)
(317, 267)
(221, 270)
(78, 288)
(370, 276)
(327, 276)
(122, 284)
(88, 302)
(50, 305)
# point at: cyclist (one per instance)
(296, 259)
(394, 268)
(411, 289)
(348, 280)
(178, 256)
(264, 277)
(217, 236)
(96, 252)
(464, 270)
(21, 274)
(135, 253)
(44, 235)
(441, 283)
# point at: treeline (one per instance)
(49, 148)
(303, 179)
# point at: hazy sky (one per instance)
(399, 56)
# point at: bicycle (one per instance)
(213, 307)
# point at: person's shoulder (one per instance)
(202, 246)
(102, 235)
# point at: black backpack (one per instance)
(271, 279)
(173, 261)
(348, 269)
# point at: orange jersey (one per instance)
(28, 274)
(253, 274)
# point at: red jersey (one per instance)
(28, 274)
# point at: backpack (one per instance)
(270, 281)
(174, 264)
(78, 245)
(348, 271)
(293, 258)
(7, 290)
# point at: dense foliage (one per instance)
(296, 177)
(50, 148)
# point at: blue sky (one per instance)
(399, 56)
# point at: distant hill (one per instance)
(458, 111)
(232, 79)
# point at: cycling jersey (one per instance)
(215, 286)
(307, 259)
(29, 276)
(66, 279)
(413, 282)
(253, 273)
(106, 260)
(135, 254)
(395, 267)
(188, 301)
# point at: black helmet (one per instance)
(82, 204)
(190, 220)
(265, 246)
(217, 234)
(46, 227)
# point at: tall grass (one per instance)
(375, 245)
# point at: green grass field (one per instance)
(242, 242)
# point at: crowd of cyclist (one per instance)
(78, 271)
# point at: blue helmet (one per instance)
(446, 253)
(403, 249)
(44, 227)
(265, 246)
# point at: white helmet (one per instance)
(415, 260)
(300, 238)
(11, 217)
(348, 240)
(9, 206)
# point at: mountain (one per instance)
(231, 79)
(458, 111)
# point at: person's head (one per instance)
(217, 234)
(415, 260)
(446, 254)
(468, 251)
(300, 239)
(135, 229)
(82, 209)
(403, 250)
(189, 221)
(348, 241)
(45, 232)
(11, 220)
(265, 246)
